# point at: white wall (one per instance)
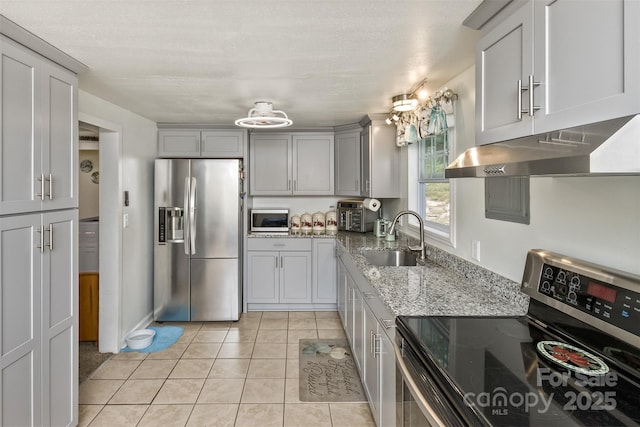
(593, 218)
(298, 205)
(138, 150)
(88, 204)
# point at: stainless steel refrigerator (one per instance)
(197, 247)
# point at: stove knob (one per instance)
(562, 277)
(546, 286)
(575, 282)
(572, 297)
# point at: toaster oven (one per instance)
(353, 216)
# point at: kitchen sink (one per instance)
(389, 258)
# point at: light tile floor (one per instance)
(242, 374)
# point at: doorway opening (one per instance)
(102, 140)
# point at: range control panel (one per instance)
(612, 304)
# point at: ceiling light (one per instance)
(404, 102)
(263, 116)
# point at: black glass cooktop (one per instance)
(509, 371)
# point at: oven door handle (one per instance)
(424, 406)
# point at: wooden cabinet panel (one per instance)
(89, 288)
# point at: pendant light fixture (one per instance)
(263, 116)
(404, 102)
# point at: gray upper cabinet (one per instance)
(347, 163)
(291, 164)
(379, 159)
(39, 133)
(579, 75)
(313, 164)
(213, 143)
(270, 165)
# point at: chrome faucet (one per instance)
(393, 227)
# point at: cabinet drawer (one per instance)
(279, 244)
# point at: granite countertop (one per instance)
(263, 235)
(459, 289)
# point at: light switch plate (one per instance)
(475, 250)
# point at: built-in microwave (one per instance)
(269, 220)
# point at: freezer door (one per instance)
(216, 185)
(171, 293)
(214, 289)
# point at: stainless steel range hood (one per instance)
(610, 147)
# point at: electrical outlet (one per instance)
(475, 250)
(125, 220)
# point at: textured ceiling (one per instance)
(325, 63)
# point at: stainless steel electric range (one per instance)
(574, 359)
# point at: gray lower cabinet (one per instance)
(39, 295)
(324, 271)
(341, 282)
(371, 368)
(291, 274)
(369, 329)
(279, 273)
(212, 143)
(39, 132)
(279, 277)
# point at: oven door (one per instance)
(420, 402)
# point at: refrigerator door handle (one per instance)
(187, 225)
(192, 216)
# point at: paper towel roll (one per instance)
(371, 204)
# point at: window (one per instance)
(433, 186)
(432, 194)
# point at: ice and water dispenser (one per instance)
(171, 225)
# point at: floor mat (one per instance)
(165, 337)
(328, 372)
